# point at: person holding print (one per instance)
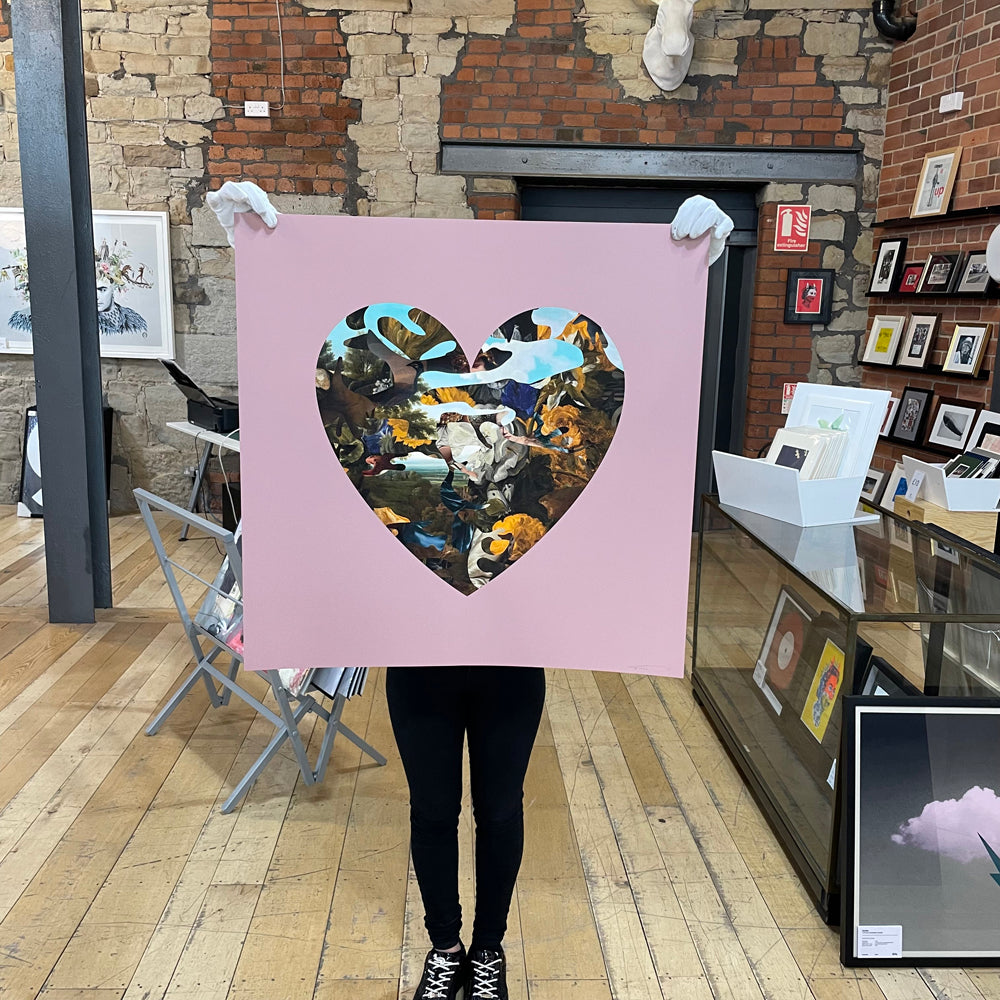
(434, 710)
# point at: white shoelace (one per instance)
(486, 978)
(440, 971)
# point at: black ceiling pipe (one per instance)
(890, 26)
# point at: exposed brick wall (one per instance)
(303, 147)
(923, 69)
(759, 78)
(922, 72)
(541, 83)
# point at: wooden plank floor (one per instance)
(649, 873)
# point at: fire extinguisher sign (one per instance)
(791, 231)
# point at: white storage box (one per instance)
(953, 492)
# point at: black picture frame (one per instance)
(880, 671)
(889, 259)
(909, 278)
(916, 729)
(776, 687)
(940, 271)
(913, 431)
(972, 277)
(814, 286)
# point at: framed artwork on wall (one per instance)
(951, 424)
(911, 415)
(939, 273)
(883, 340)
(874, 483)
(809, 296)
(985, 434)
(909, 278)
(973, 276)
(922, 832)
(134, 286)
(887, 267)
(967, 348)
(890, 415)
(921, 330)
(935, 184)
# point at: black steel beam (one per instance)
(55, 183)
(704, 164)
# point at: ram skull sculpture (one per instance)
(669, 44)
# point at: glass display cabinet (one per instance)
(789, 619)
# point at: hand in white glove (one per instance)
(697, 216)
(240, 196)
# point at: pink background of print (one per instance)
(327, 585)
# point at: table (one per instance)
(228, 441)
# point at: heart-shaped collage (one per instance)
(469, 465)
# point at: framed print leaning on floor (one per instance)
(922, 823)
(134, 286)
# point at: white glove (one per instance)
(696, 217)
(240, 196)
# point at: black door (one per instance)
(730, 288)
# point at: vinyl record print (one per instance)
(782, 648)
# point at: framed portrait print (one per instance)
(951, 424)
(921, 329)
(909, 278)
(134, 287)
(911, 415)
(887, 267)
(967, 347)
(973, 276)
(883, 340)
(828, 677)
(890, 415)
(938, 274)
(809, 296)
(935, 184)
(921, 817)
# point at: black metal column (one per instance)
(55, 182)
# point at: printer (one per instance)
(203, 410)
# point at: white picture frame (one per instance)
(874, 482)
(890, 416)
(861, 410)
(883, 339)
(985, 434)
(921, 331)
(135, 288)
(952, 425)
(892, 481)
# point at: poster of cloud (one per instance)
(467, 442)
(923, 814)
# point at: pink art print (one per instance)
(467, 442)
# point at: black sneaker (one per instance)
(446, 974)
(488, 980)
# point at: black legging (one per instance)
(432, 709)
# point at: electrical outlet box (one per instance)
(951, 102)
(257, 109)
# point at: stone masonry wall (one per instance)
(371, 86)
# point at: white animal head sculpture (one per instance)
(669, 44)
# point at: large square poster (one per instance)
(467, 442)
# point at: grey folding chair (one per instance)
(210, 631)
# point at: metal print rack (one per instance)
(215, 631)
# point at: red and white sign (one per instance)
(787, 395)
(791, 231)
